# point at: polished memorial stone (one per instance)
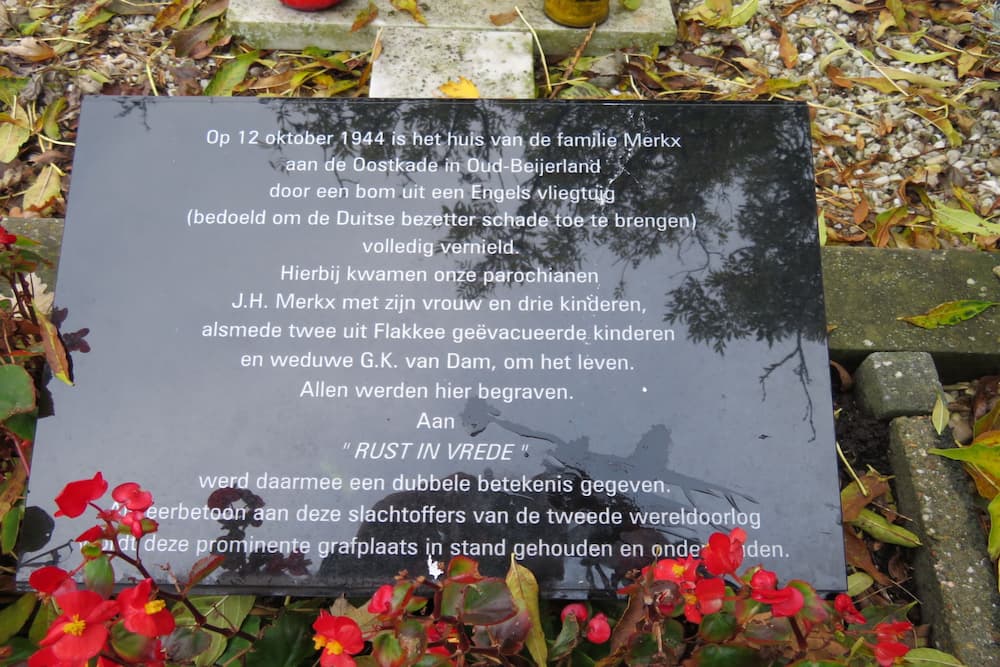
(340, 338)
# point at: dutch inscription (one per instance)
(424, 331)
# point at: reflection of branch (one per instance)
(801, 371)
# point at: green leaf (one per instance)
(982, 452)
(858, 583)
(988, 422)
(14, 616)
(10, 88)
(43, 619)
(184, 643)
(225, 611)
(97, 19)
(12, 137)
(717, 627)
(930, 656)
(716, 655)
(17, 392)
(23, 425)
(918, 58)
(55, 351)
(881, 529)
(741, 15)
(949, 313)
(129, 645)
(50, 118)
(387, 650)
(239, 645)
(487, 602)
(993, 547)
(566, 641)
(99, 576)
(939, 415)
(284, 644)
(898, 13)
(960, 221)
(9, 528)
(231, 75)
(524, 589)
(463, 566)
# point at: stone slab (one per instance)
(867, 289)
(897, 384)
(413, 329)
(269, 25)
(956, 581)
(412, 66)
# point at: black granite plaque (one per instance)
(341, 338)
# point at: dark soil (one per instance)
(863, 439)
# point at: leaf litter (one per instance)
(904, 95)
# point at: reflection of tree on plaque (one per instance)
(576, 479)
(649, 458)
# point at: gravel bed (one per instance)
(875, 149)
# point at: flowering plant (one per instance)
(694, 612)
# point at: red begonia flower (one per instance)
(92, 534)
(79, 633)
(724, 553)
(887, 653)
(845, 607)
(149, 618)
(133, 496)
(138, 524)
(764, 580)
(75, 496)
(6, 237)
(677, 571)
(338, 637)
(309, 5)
(577, 609)
(381, 602)
(50, 581)
(46, 658)
(598, 629)
(705, 598)
(786, 601)
(892, 631)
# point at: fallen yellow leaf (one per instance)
(462, 89)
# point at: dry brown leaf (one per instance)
(173, 15)
(190, 40)
(752, 66)
(786, 48)
(853, 501)
(967, 60)
(30, 49)
(861, 211)
(411, 8)
(44, 191)
(859, 557)
(47, 157)
(503, 19)
(364, 17)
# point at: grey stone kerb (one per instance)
(956, 582)
(459, 40)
